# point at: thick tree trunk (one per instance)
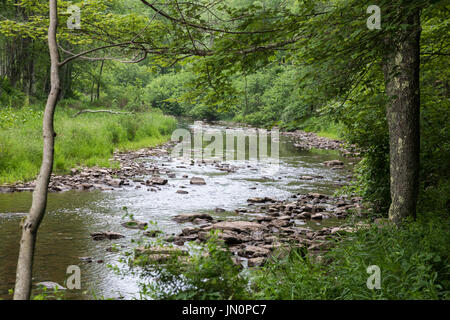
(401, 72)
(31, 224)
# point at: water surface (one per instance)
(64, 235)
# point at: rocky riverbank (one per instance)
(131, 172)
(262, 227)
(267, 226)
(309, 140)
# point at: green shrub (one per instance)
(209, 273)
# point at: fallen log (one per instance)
(97, 111)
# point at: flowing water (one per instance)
(64, 235)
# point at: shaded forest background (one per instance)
(279, 91)
(331, 83)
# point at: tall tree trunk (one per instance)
(401, 67)
(99, 79)
(31, 224)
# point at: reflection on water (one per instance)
(64, 234)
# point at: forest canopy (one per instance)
(372, 75)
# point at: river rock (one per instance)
(158, 254)
(116, 183)
(189, 230)
(50, 285)
(6, 189)
(182, 192)
(134, 224)
(239, 226)
(254, 251)
(197, 181)
(106, 235)
(156, 181)
(317, 195)
(86, 259)
(279, 223)
(259, 200)
(200, 222)
(304, 215)
(228, 236)
(333, 163)
(189, 217)
(317, 216)
(256, 262)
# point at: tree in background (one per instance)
(333, 39)
(33, 220)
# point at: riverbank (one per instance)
(296, 237)
(157, 194)
(84, 153)
(269, 226)
(306, 139)
(88, 140)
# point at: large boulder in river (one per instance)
(189, 217)
(197, 181)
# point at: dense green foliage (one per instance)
(208, 273)
(414, 264)
(87, 140)
(311, 65)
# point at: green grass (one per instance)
(87, 140)
(413, 259)
(328, 134)
(322, 127)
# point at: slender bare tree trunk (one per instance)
(100, 79)
(31, 224)
(401, 72)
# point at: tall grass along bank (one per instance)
(86, 140)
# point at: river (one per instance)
(64, 235)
